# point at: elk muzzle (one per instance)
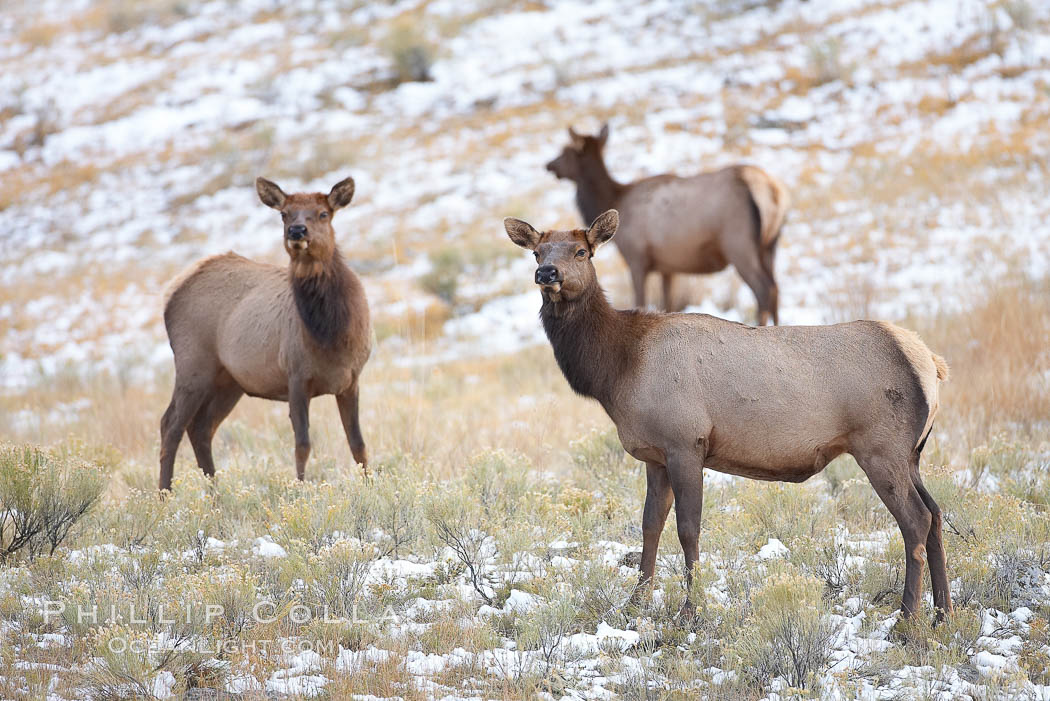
(549, 276)
(297, 236)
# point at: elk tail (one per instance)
(771, 199)
(942, 367)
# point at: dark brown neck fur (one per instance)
(594, 344)
(596, 191)
(323, 301)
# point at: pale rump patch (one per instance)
(771, 198)
(929, 367)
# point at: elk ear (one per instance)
(603, 228)
(521, 233)
(270, 194)
(603, 135)
(341, 194)
(575, 138)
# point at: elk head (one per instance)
(308, 235)
(563, 258)
(572, 161)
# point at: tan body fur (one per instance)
(240, 327)
(691, 391)
(726, 375)
(228, 303)
(671, 224)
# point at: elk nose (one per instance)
(550, 166)
(296, 232)
(547, 275)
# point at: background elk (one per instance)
(689, 391)
(674, 225)
(239, 327)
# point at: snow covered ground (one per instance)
(913, 136)
(127, 154)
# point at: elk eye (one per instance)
(581, 253)
(323, 215)
(536, 255)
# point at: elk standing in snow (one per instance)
(675, 225)
(689, 391)
(239, 327)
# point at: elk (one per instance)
(671, 224)
(777, 403)
(240, 327)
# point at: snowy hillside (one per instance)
(494, 554)
(912, 136)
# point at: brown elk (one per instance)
(240, 327)
(670, 224)
(689, 391)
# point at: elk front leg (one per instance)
(348, 405)
(299, 412)
(686, 473)
(658, 498)
(668, 286)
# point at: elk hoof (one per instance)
(687, 614)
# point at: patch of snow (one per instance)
(773, 549)
(264, 546)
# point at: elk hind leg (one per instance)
(762, 285)
(186, 400)
(937, 560)
(892, 481)
(207, 419)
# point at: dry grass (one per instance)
(507, 430)
(998, 352)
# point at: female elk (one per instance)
(673, 225)
(239, 327)
(689, 391)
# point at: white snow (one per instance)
(773, 549)
(265, 547)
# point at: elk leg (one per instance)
(206, 421)
(667, 279)
(348, 406)
(299, 412)
(762, 285)
(894, 486)
(942, 593)
(767, 257)
(638, 275)
(185, 401)
(686, 475)
(658, 498)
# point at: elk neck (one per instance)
(596, 191)
(322, 291)
(595, 345)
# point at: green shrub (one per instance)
(42, 497)
(825, 60)
(410, 52)
(442, 280)
(790, 634)
(546, 628)
(456, 526)
(786, 512)
(339, 575)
